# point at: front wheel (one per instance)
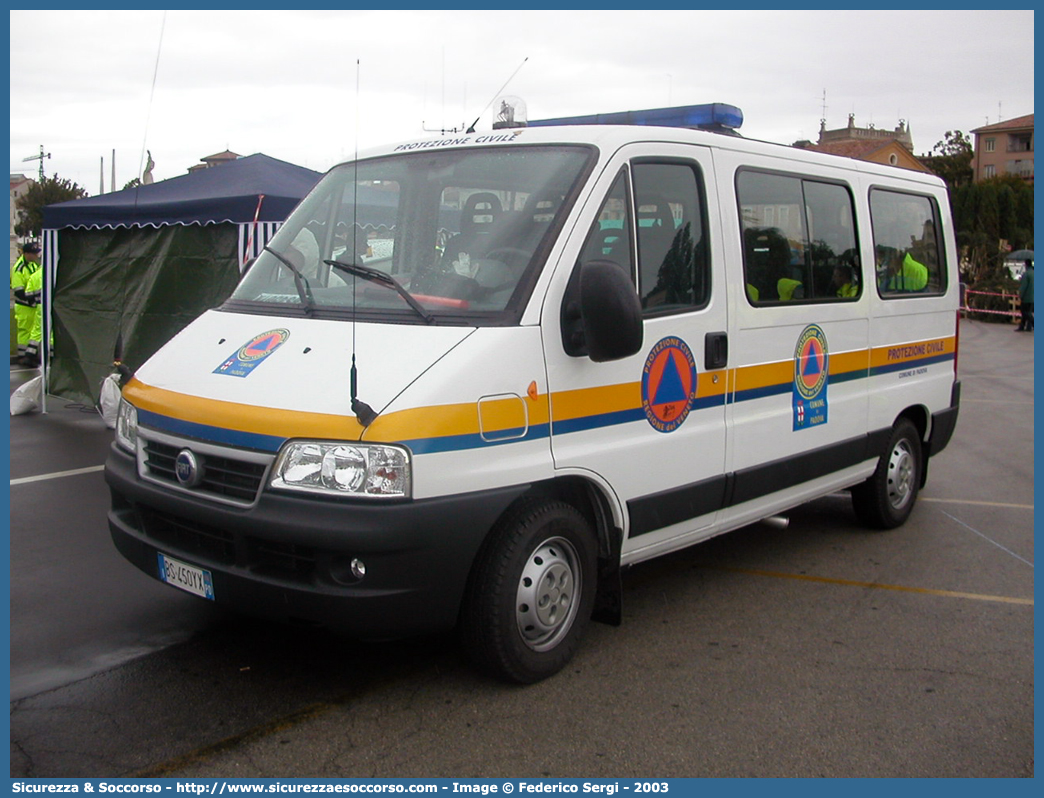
(531, 592)
(887, 498)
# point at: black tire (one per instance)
(887, 498)
(531, 592)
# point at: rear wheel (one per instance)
(530, 595)
(887, 498)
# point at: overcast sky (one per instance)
(187, 84)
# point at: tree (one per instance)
(986, 215)
(30, 205)
(951, 159)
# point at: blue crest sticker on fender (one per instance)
(811, 371)
(253, 353)
(668, 384)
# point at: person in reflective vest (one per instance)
(24, 268)
(844, 282)
(789, 289)
(34, 293)
(908, 275)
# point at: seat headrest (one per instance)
(480, 210)
(656, 208)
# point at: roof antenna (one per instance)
(506, 82)
(363, 412)
(443, 130)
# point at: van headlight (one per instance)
(127, 426)
(347, 469)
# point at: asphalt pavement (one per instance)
(819, 650)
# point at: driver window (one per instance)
(610, 235)
(673, 255)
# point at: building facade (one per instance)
(850, 133)
(1005, 148)
(877, 145)
(215, 160)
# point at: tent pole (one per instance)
(50, 241)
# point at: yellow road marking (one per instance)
(1008, 505)
(876, 585)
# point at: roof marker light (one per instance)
(717, 117)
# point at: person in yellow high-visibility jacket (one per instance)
(24, 268)
(908, 275)
(844, 282)
(34, 293)
(789, 289)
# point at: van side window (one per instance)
(906, 244)
(799, 239)
(673, 252)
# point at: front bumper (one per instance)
(289, 556)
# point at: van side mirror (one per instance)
(601, 313)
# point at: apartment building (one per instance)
(1004, 148)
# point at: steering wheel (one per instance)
(512, 253)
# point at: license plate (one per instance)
(197, 581)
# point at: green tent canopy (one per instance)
(138, 265)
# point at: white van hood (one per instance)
(226, 365)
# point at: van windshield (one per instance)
(453, 236)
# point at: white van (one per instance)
(473, 378)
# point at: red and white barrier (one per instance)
(1013, 300)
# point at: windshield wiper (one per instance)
(300, 282)
(382, 278)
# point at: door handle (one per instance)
(716, 350)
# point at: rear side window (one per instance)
(799, 239)
(906, 244)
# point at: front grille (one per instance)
(208, 545)
(225, 477)
(230, 477)
(287, 560)
(188, 537)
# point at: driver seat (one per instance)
(480, 213)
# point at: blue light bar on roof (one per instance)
(709, 116)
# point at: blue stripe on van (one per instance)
(858, 374)
(205, 432)
(455, 443)
(762, 392)
(601, 420)
(272, 443)
(906, 365)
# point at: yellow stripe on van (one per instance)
(253, 419)
(436, 421)
(612, 399)
(216, 419)
(458, 426)
(884, 358)
(605, 399)
(849, 362)
(763, 375)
